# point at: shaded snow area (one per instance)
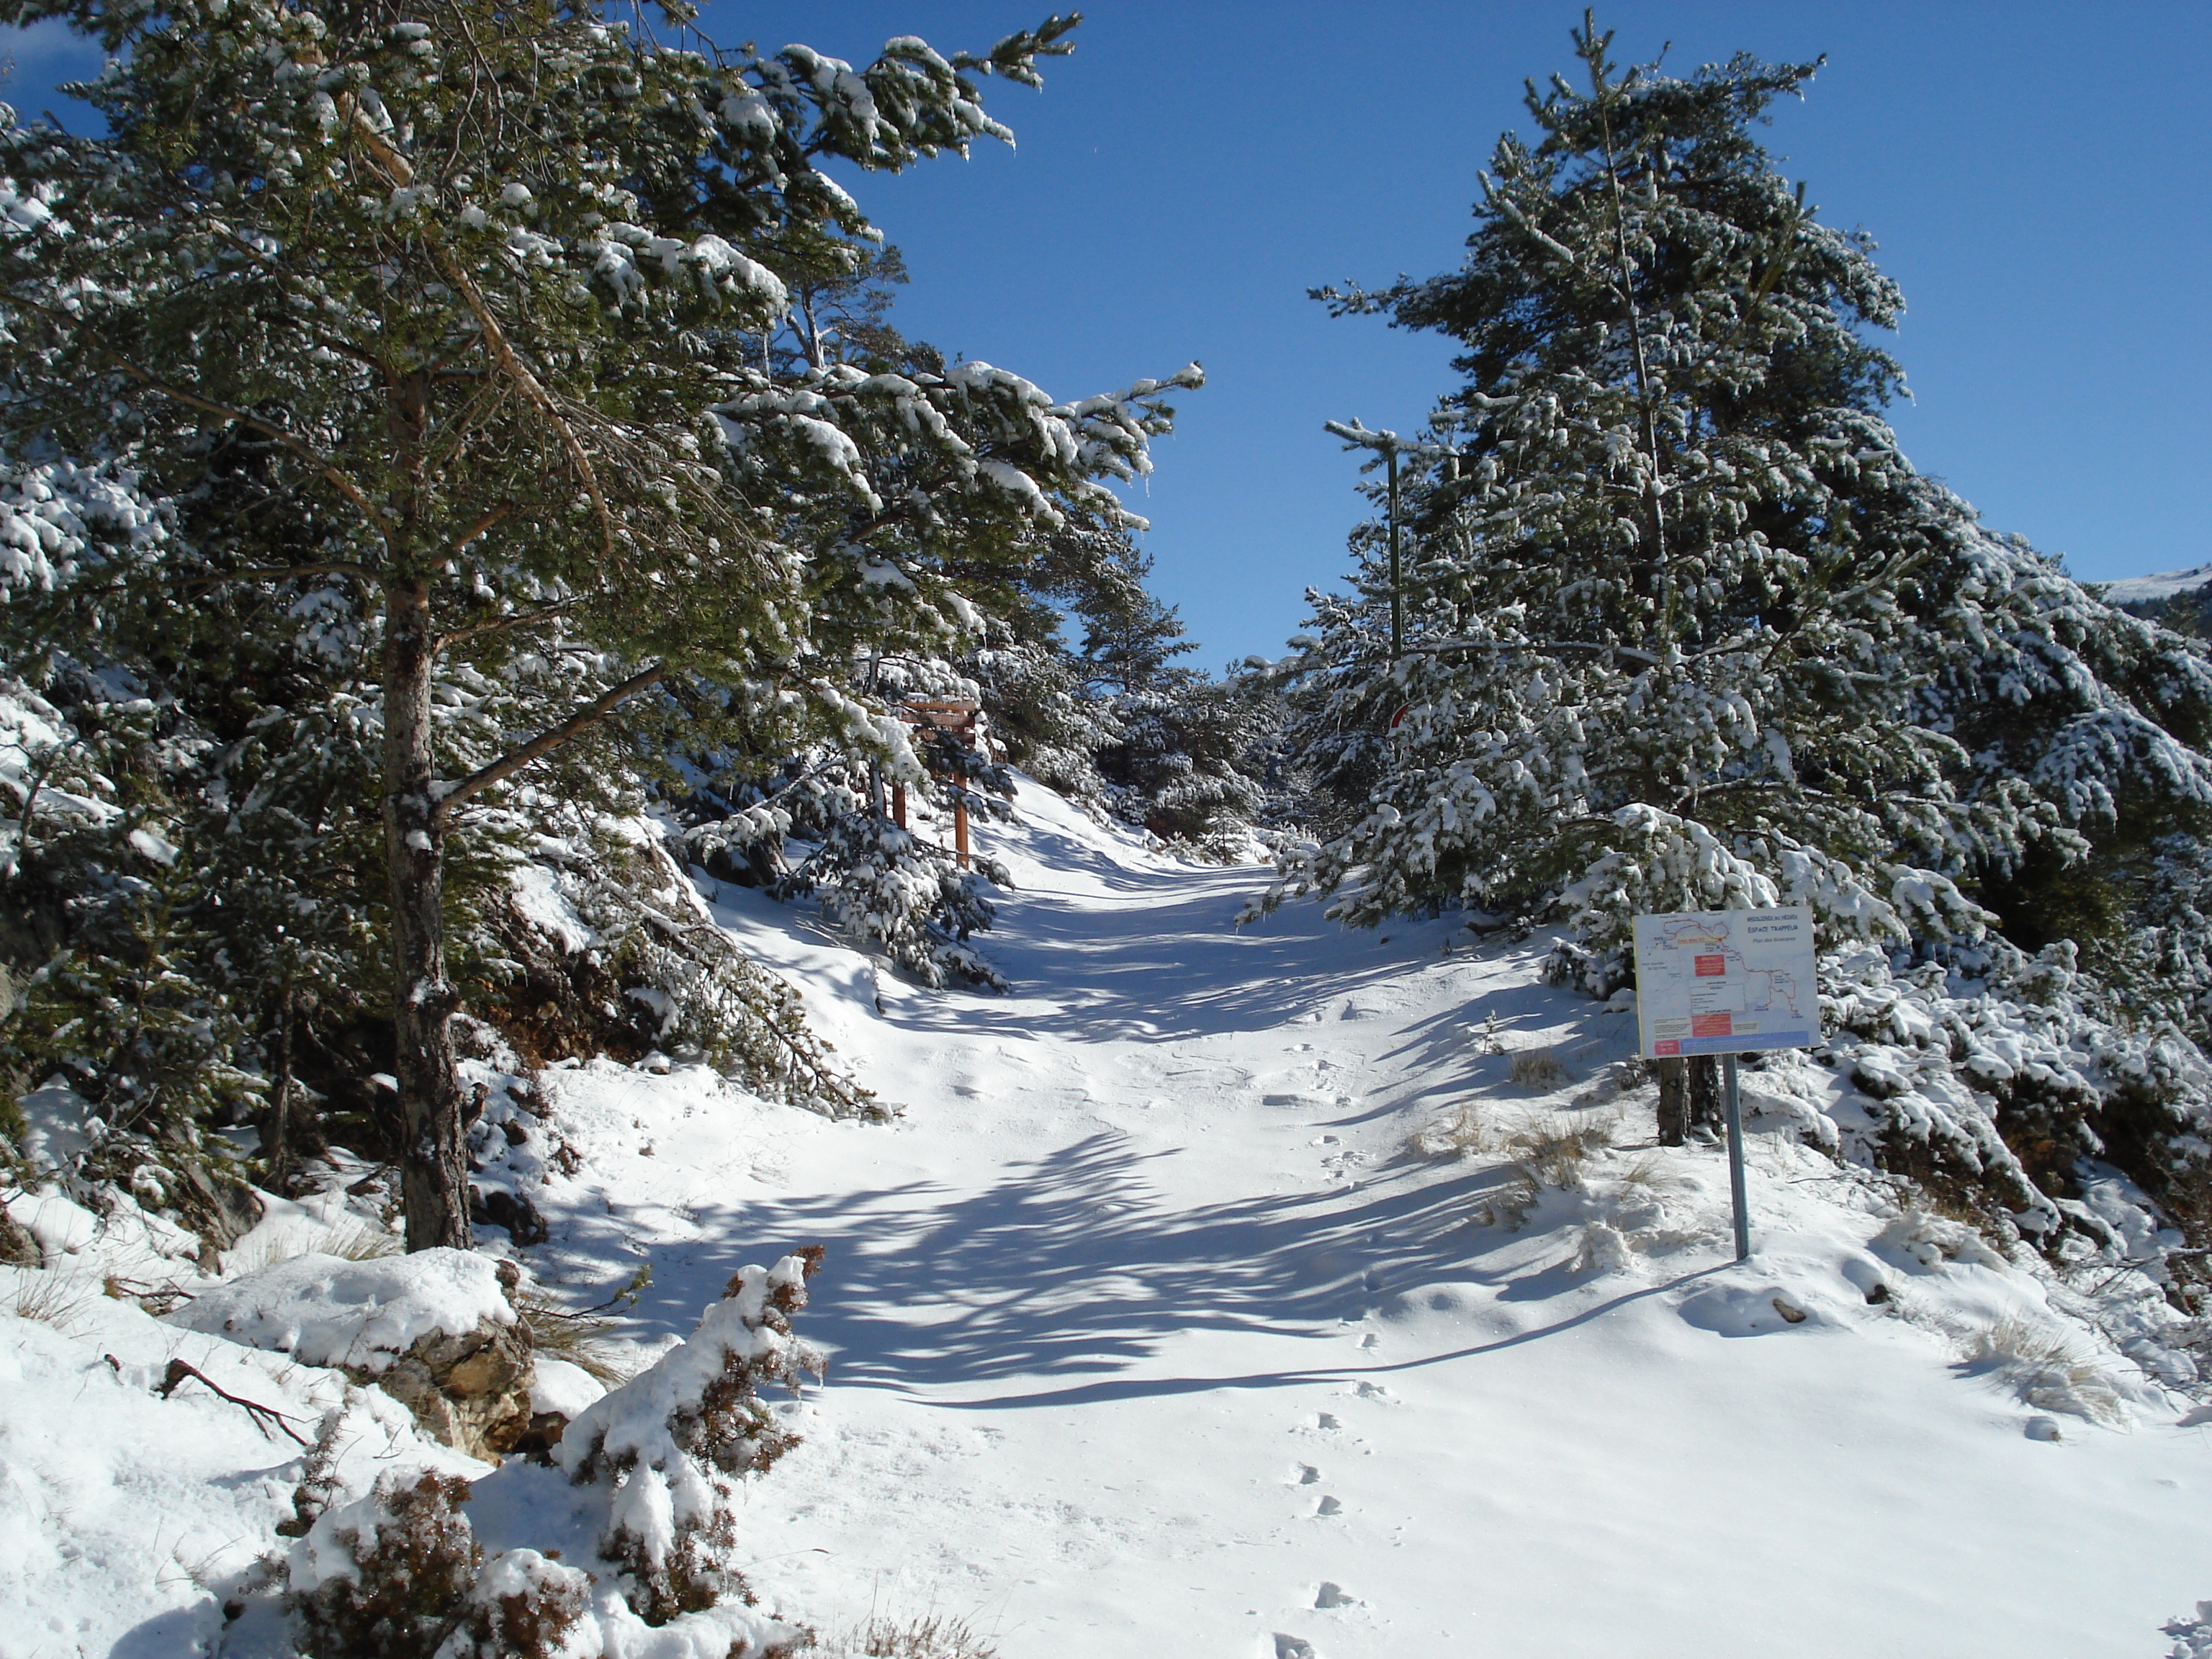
(1216, 1293)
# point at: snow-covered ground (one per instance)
(1153, 1333)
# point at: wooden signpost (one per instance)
(953, 714)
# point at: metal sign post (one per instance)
(1722, 982)
(1734, 1109)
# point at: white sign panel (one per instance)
(1726, 981)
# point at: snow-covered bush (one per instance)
(890, 890)
(398, 1573)
(666, 1448)
(388, 1575)
(2007, 1089)
(823, 833)
(612, 930)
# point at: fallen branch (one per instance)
(179, 1371)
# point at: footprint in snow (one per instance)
(1293, 1647)
(1372, 1391)
(1305, 1474)
(1325, 1420)
(1327, 1506)
(1331, 1595)
(1322, 1140)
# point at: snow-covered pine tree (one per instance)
(909, 605)
(1652, 597)
(1181, 757)
(469, 290)
(1685, 630)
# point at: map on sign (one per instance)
(1725, 982)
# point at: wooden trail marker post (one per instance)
(1724, 982)
(946, 715)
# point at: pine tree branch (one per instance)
(330, 470)
(1542, 647)
(397, 167)
(547, 740)
(275, 574)
(500, 624)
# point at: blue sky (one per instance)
(2039, 176)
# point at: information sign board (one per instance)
(1726, 981)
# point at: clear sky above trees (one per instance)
(2039, 176)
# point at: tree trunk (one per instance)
(433, 1164)
(1705, 1103)
(1673, 1102)
(277, 1144)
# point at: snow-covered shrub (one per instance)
(398, 1574)
(892, 891)
(2006, 1088)
(666, 1448)
(388, 1575)
(607, 947)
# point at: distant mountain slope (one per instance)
(2180, 599)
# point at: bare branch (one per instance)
(261, 1415)
(549, 740)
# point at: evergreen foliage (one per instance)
(1675, 589)
(448, 341)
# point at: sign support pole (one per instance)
(1734, 1107)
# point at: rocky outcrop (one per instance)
(437, 1330)
(472, 1392)
(17, 1247)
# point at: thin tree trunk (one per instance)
(279, 1149)
(1673, 1102)
(433, 1164)
(1705, 1107)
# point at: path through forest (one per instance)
(1150, 1337)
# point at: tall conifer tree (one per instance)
(461, 295)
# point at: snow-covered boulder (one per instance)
(436, 1329)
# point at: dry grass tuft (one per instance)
(2048, 1371)
(937, 1635)
(1544, 1153)
(361, 1241)
(1551, 1152)
(1536, 1069)
(579, 1336)
(1460, 1133)
(48, 1297)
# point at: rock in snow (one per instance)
(435, 1329)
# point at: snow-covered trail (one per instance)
(1149, 1336)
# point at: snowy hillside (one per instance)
(2146, 590)
(1217, 1293)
